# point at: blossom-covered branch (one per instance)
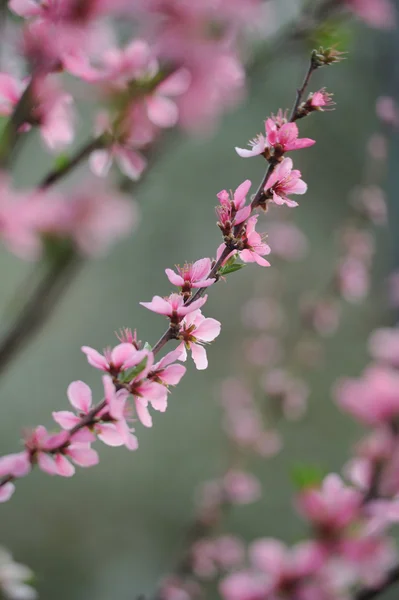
(130, 369)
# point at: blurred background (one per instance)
(115, 530)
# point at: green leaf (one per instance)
(307, 476)
(147, 346)
(61, 162)
(127, 376)
(231, 266)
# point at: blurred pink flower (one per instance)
(241, 487)
(384, 345)
(373, 398)
(331, 508)
(376, 13)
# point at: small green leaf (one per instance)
(147, 346)
(61, 162)
(307, 476)
(127, 376)
(231, 266)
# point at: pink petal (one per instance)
(299, 144)
(64, 467)
(242, 215)
(255, 151)
(162, 111)
(174, 278)
(83, 455)
(100, 162)
(46, 463)
(109, 435)
(158, 305)
(95, 359)
(79, 395)
(143, 413)
(125, 353)
(25, 8)
(183, 352)
(130, 440)
(83, 436)
(176, 84)
(241, 193)
(208, 330)
(199, 356)
(201, 268)
(156, 393)
(173, 374)
(6, 491)
(65, 419)
(17, 465)
(184, 310)
(131, 163)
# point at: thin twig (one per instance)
(83, 153)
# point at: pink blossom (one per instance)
(244, 585)
(173, 306)
(15, 465)
(284, 181)
(353, 279)
(241, 487)
(376, 13)
(95, 217)
(192, 275)
(384, 345)
(122, 357)
(257, 147)
(254, 248)
(152, 391)
(166, 371)
(387, 110)
(43, 447)
(195, 331)
(292, 393)
(285, 138)
(6, 491)
(11, 90)
(232, 209)
(288, 241)
(373, 398)
(80, 396)
(125, 146)
(285, 566)
(320, 100)
(211, 555)
(332, 507)
(120, 414)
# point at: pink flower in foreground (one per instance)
(285, 138)
(376, 13)
(120, 414)
(80, 396)
(122, 357)
(50, 451)
(195, 331)
(173, 306)
(254, 249)
(232, 209)
(192, 275)
(166, 371)
(373, 398)
(332, 507)
(151, 391)
(284, 181)
(281, 137)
